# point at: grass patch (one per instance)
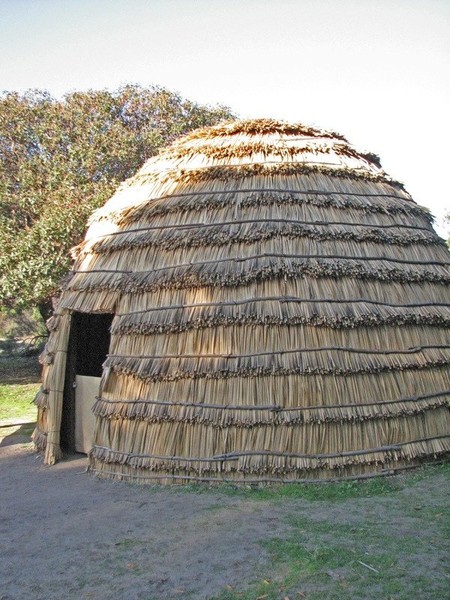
(322, 492)
(20, 377)
(16, 402)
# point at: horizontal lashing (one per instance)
(284, 299)
(317, 320)
(282, 364)
(226, 233)
(245, 198)
(279, 311)
(276, 407)
(385, 351)
(254, 461)
(281, 148)
(246, 170)
(195, 276)
(221, 272)
(317, 390)
(226, 414)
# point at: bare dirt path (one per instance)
(65, 534)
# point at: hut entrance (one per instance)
(88, 346)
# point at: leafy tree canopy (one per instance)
(60, 160)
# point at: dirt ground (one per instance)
(66, 534)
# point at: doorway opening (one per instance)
(88, 347)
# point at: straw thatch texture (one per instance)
(281, 313)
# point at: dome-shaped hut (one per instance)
(259, 302)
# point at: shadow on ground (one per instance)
(16, 433)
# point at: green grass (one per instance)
(19, 377)
(326, 492)
(357, 547)
(16, 402)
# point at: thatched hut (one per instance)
(259, 302)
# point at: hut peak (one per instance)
(261, 127)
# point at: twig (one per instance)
(368, 566)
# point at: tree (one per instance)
(60, 160)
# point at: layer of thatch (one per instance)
(281, 313)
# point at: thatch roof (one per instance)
(281, 312)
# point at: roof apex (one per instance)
(260, 127)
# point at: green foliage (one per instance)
(24, 325)
(60, 160)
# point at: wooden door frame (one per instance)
(67, 436)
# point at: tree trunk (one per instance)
(45, 308)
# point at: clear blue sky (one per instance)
(378, 71)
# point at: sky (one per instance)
(377, 71)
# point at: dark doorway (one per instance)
(87, 350)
